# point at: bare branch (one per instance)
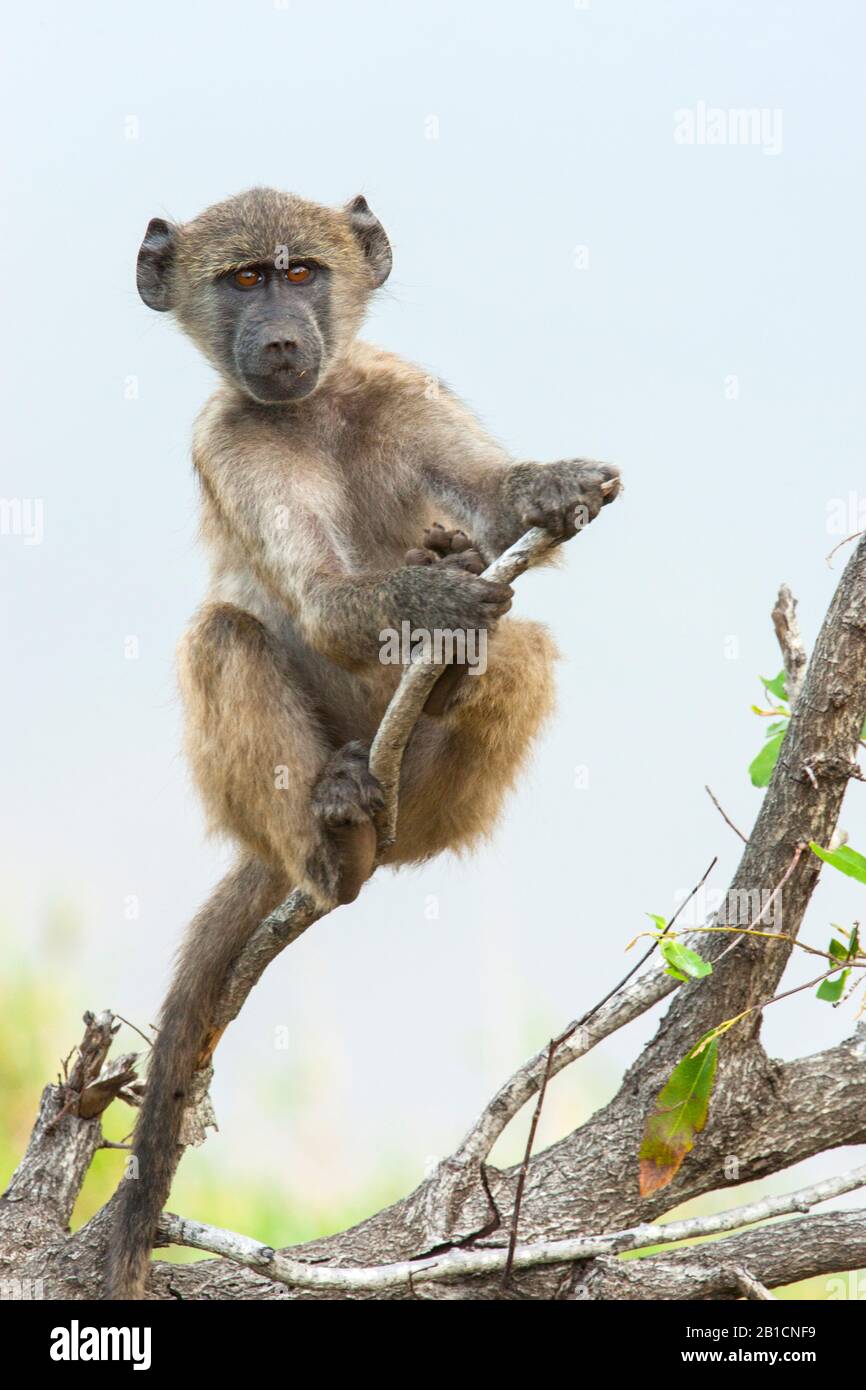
(402, 714)
(534, 1075)
(631, 1001)
(466, 1263)
(783, 1253)
(551, 1051)
(726, 818)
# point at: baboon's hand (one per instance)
(561, 497)
(444, 598)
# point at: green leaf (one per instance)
(679, 1114)
(684, 963)
(845, 859)
(761, 767)
(776, 686)
(832, 990)
(778, 726)
(661, 922)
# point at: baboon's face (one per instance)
(272, 288)
(272, 327)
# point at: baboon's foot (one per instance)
(345, 800)
(453, 548)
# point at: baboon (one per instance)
(324, 464)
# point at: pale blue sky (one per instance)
(555, 131)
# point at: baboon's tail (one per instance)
(214, 938)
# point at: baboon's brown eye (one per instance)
(247, 279)
(299, 273)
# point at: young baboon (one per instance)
(323, 463)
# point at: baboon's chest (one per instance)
(377, 507)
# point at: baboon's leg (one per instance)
(345, 798)
(263, 764)
(458, 768)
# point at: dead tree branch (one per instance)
(461, 1263)
(765, 1116)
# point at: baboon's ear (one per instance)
(371, 234)
(155, 261)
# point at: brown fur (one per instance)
(308, 511)
(244, 897)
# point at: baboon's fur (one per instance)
(309, 507)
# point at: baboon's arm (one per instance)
(254, 501)
(497, 499)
